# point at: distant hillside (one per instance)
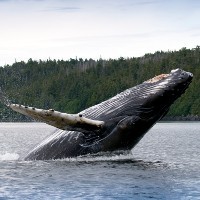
(73, 85)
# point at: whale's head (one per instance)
(153, 98)
(130, 114)
(154, 95)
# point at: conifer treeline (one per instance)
(73, 85)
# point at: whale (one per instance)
(116, 124)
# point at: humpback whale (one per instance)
(118, 123)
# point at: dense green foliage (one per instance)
(73, 85)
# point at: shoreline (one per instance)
(165, 119)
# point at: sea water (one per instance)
(164, 165)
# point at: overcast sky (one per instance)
(63, 29)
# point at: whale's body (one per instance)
(116, 124)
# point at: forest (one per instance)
(75, 84)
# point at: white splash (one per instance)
(103, 156)
(9, 156)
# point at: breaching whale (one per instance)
(116, 124)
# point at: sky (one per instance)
(64, 29)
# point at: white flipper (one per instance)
(55, 118)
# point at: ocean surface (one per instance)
(164, 165)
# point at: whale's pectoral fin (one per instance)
(59, 120)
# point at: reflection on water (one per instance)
(164, 165)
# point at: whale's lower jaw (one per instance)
(116, 124)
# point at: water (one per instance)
(164, 165)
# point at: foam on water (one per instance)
(9, 156)
(101, 157)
